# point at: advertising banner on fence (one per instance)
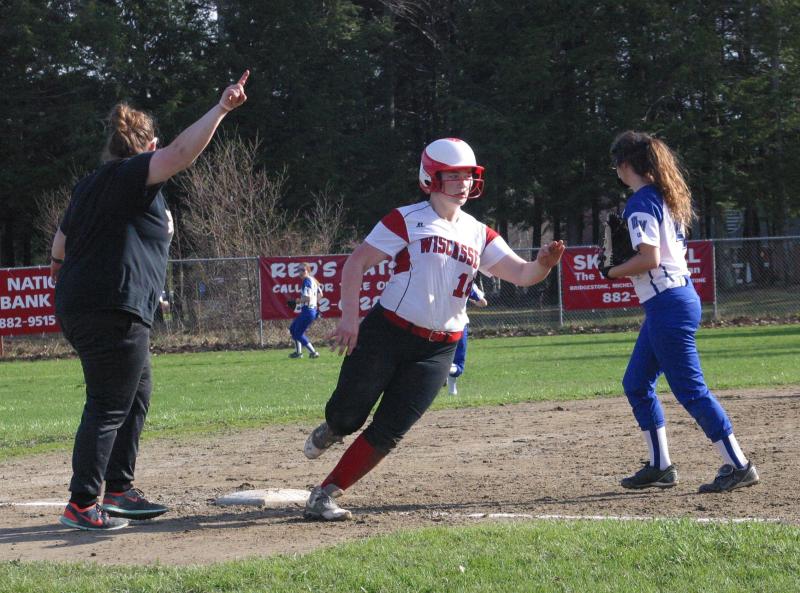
(27, 302)
(280, 282)
(583, 287)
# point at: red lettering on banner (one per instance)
(27, 297)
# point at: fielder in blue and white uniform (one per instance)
(657, 215)
(309, 312)
(477, 298)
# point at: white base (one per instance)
(36, 503)
(264, 498)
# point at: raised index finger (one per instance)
(243, 79)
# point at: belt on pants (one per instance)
(431, 335)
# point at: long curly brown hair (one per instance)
(651, 158)
(129, 132)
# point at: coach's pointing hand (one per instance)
(234, 96)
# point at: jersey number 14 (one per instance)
(464, 286)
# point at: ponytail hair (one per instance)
(129, 132)
(307, 268)
(652, 158)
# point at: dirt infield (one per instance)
(535, 459)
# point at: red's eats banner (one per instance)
(27, 302)
(583, 287)
(280, 281)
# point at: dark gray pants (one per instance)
(114, 348)
(408, 370)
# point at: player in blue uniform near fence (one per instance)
(477, 298)
(657, 215)
(309, 312)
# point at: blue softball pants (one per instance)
(460, 357)
(301, 323)
(666, 344)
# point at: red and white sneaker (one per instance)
(92, 518)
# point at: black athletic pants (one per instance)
(114, 348)
(407, 369)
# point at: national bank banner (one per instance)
(582, 286)
(27, 301)
(281, 282)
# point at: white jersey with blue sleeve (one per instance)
(311, 290)
(650, 222)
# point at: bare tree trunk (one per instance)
(51, 206)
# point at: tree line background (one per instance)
(344, 94)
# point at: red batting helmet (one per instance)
(448, 154)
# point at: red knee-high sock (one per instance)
(356, 462)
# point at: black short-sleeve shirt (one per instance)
(118, 233)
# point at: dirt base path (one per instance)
(536, 459)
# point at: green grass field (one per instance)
(40, 405)
(41, 402)
(656, 556)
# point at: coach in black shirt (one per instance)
(109, 257)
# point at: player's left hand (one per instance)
(234, 96)
(549, 255)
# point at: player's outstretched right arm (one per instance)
(362, 259)
(183, 151)
(516, 270)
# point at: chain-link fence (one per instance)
(211, 297)
(210, 303)
(219, 299)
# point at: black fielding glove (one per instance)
(604, 271)
(617, 248)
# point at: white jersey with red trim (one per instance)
(435, 263)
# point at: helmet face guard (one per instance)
(449, 154)
(476, 183)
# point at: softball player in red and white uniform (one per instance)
(401, 353)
